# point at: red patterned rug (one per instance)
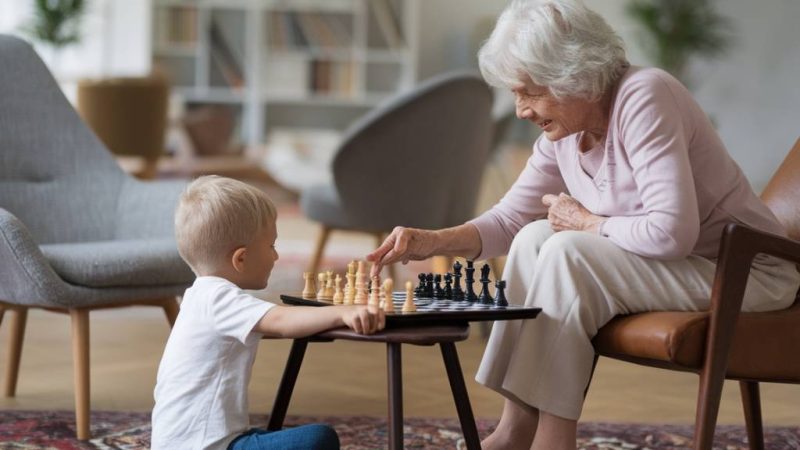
(120, 430)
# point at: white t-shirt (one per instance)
(201, 390)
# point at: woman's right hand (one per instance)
(403, 244)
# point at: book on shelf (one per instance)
(176, 25)
(388, 22)
(307, 30)
(223, 56)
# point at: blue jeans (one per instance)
(306, 437)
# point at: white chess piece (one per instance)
(309, 290)
(338, 295)
(361, 285)
(349, 287)
(388, 303)
(321, 292)
(375, 295)
(409, 305)
(329, 285)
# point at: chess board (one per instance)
(440, 311)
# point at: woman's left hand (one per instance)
(566, 213)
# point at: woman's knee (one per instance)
(572, 244)
(532, 236)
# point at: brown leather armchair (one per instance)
(724, 343)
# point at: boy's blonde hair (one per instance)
(216, 215)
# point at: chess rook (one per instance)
(309, 290)
(500, 295)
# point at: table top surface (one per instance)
(435, 311)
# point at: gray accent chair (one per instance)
(76, 233)
(416, 161)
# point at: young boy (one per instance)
(226, 233)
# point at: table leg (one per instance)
(394, 365)
(287, 384)
(450, 357)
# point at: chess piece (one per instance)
(388, 301)
(350, 288)
(309, 290)
(420, 290)
(458, 293)
(338, 295)
(438, 292)
(321, 292)
(429, 285)
(329, 285)
(484, 296)
(469, 281)
(500, 295)
(361, 285)
(448, 288)
(409, 305)
(375, 288)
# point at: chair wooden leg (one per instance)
(319, 250)
(80, 356)
(395, 369)
(708, 399)
(751, 401)
(171, 310)
(19, 318)
(460, 395)
(286, 387)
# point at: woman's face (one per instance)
(557, 118)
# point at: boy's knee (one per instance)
(325, 437)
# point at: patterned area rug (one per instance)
(120, 430)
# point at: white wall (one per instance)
(753, 94)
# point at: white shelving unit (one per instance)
(279, 63)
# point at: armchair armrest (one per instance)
(146, 209)
(26, 277)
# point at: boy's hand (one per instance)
(363, 319)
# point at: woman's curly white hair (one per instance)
(559, 44)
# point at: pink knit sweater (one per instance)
(663, 179)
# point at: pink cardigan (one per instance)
(664, 179)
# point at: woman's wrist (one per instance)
(461, 240)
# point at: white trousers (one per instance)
(581, 281)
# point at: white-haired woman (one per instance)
(620, 209)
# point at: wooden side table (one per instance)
(444, 335)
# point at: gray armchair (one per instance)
(76, 233)
(416, 161)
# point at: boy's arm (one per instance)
(302, 321)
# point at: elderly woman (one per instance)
(620, 209)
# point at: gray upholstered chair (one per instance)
(416, 161)
(76, 233)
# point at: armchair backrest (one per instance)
(55, 175)
(782, 194)
(418, 160)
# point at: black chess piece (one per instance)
(484, 296)
(419, 291)
(448, 286)
(438, 292)
(500, 294)
(429, 285)
(469, 282)
(458, 293)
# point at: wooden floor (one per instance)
(340, 378)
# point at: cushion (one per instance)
(321, 203)
(121, 263)
(764, 344)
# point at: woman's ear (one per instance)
(237, 260)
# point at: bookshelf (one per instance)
(286, 63)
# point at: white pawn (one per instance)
(329, 285)
(338, 296)
(409, 305)
(321, 292)
(309, 290)
(388, 303)
(375, 295)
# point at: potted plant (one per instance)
(56, 23)
(674, 31)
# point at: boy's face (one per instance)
(260, 258)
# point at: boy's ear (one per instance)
(237, 260)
